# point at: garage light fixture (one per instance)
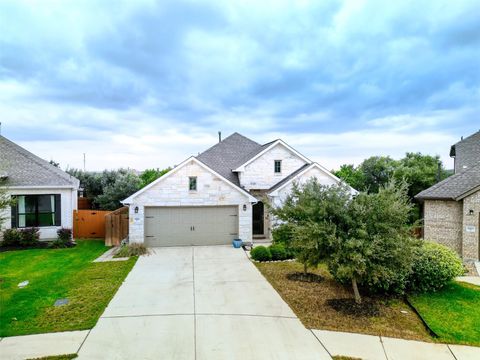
(136, 209)
(470, 212)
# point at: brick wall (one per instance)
(443, 223)
(470, 249)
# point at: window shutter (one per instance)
(13, 209)
(58, 210)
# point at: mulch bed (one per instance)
(308, 277)
(350, 307)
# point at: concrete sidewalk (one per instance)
(40, 345)
(369, 347)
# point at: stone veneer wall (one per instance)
(471, 245)
(443, 223)
(173, 191)
(260, 174)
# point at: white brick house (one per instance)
(218, 195)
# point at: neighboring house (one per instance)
(45, 196)
(219, 195)
(452, 207)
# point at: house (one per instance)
(219, 195)
(451, 207)
(45, 196)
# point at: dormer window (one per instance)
(277, 167)
(192, 183)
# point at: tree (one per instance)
(310, 216)
(5, 202)
(377, 250)
(351, 175)
(150, 175)
(90, 182)
(117, 187)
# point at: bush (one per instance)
(64, 234)
(29, 236)
(283, 234)
(134, 249)
(64, 239)
(434, 265)
(261, 253)
(11, 237)
(278, 252)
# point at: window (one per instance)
(36, 210)
(192, 183)
(278, 166)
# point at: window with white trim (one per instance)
(192, 183)
(277, 167)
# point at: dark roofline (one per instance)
(289, 177)
(43, 163)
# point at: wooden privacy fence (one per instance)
(89, 223)
(116, 226)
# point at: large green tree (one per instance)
(117, 187)
(150, 175)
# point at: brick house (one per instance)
(451, 208)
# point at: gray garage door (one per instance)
(176, 226)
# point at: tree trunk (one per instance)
(358, 298)
(305, 268)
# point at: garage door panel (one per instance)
(177, 226)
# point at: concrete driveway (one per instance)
(199, 303)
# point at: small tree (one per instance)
(150, 175)
(5, 202)
(376, 252)
(122, 186)
(311, 215)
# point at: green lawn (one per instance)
(55, 274)
(452, 313)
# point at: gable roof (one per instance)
(284, 182)
(228, 154)
(264, 149)
(21, 168)
(455, 187)
(131, 198)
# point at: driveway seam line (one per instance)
(383, 347)
(202, 314)
(448, 346)
(83, 342)
(316, 337)
(194, 306)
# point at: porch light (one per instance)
(244, 207)
(136, 209)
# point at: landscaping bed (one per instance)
(55, 274)
(310, 302)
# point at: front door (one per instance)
(258, 221)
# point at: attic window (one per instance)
(277, 166)
(192, 183)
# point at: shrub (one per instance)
(278, 252)
(64, 239)
(64, 234)
(29, 236)
(261, 253)
(283, 234)
(434, 265)
(11, 237)
(134, 249)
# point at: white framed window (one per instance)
(192, 183)
(277, 167)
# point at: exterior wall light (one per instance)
(136, 209)
(244, 207)
(470, 212)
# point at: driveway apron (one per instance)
(206, 302)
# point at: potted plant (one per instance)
(237, 243)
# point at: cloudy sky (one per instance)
(147, 83)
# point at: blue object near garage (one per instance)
(237, 243)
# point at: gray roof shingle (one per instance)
(453, 187)
(229, 154)
(22, 168)
(466, 152)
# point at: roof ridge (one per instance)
(41, 162)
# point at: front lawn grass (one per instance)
(453, 313)
(308, 301)
(55, 274)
